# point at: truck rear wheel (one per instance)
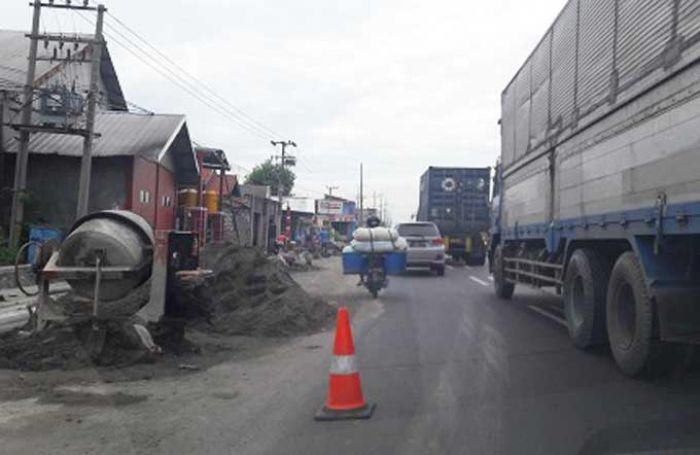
(631, 321)
(584, 299)
(504, 289)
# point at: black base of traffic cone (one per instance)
(365, 412)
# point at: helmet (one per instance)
(373, 221)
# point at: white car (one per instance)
(426, 247)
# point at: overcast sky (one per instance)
(399, 85)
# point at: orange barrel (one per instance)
(211, 201)
(187, 197)
(216, 224)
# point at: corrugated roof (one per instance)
(121, 133)
(14, 51)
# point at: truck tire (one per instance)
(631, 322)
(585, 289)
(504, 290)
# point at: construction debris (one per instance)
(246, 293)
(71, 346)
(255, 295)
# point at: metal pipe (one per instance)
(98, 282)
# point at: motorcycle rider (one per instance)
(372, 221)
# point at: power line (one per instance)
(205, 86)
(183, 83)
(173, 78)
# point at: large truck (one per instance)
(599, 177)
(457, 200)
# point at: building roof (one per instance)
(149, 136)
(14, 51)
(212, 157)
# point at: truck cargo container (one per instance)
(600, 177)
(457, 201)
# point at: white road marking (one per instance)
(490, 278)
(450, 267)
(547, 314)
(477, 280)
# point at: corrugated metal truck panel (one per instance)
(525, 197)
(643, 32)
(508, 125)
(603, 55)
(597, 19)
(688, 18)
(563, 67)
(629, 170)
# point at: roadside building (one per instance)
(339, 214)
(300, 212)
(57, 79)
(139, 163)
(264, 211)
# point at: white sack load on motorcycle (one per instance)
(376, 234)
(381, 246)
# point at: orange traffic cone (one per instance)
(345, 399)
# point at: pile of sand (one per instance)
(251, 295)
(75, 345)
(255, 295)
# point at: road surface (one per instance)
(451, 368)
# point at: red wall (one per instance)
(150, 183)
(165, 217)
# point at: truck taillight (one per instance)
(438, 241)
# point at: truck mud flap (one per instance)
(678, 310)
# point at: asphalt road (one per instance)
(455, 370)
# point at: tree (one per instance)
(267, 173)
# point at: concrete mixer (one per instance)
(106, 257)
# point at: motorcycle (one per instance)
(375, 278)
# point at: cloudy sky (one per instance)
(396, 84)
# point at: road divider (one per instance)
(478, 280)
(345, 399)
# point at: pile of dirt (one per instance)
(255, 295)
(70, 346)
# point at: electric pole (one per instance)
(26, 128)
(362, 197)
(86, 162)
(20, 184)
(280, 177)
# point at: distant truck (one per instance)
(599, 177)
(457, 201)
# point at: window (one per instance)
(144, 196)
(167, 201)
(418, 230)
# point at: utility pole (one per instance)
(381, 206)
(362, 197)
(280, 176)
(330, 189)
(86, 162)
(20, 184)
(26, 128)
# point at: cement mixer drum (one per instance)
(121, 239)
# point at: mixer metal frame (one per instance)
(46, 312)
